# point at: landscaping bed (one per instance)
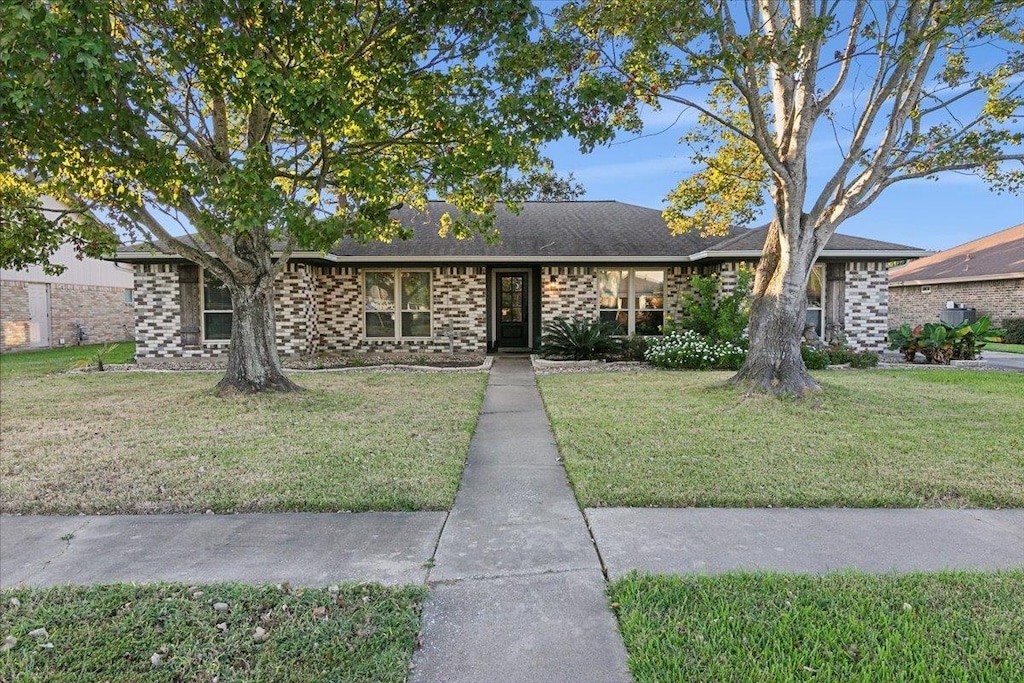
(871, 439)
(226, 632)
(844, 627)
(139, 443)
(331, 361)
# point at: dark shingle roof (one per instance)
(542, 230)
(997, 256)
(753, 240)
(566, 231)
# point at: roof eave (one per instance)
(960, 278)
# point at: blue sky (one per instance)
(922, 213)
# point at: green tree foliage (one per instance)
(906, 89)
(711, 312)
(31, 232)
(265, 127)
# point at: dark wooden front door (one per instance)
(513, 315)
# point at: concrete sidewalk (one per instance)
(1003, 360)
(711, 540)
(305, 549)
(517, 592)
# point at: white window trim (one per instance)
(820, 267)
(203, 311)
(397, 272)
(631, 294)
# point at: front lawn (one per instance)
(924, 438)
(49, 361)
(843, 627)
(141, 442)
(1008, 348)
(173, 632)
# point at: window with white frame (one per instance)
(216, 309)
(633, 299)
(816, 299)
(396, 304)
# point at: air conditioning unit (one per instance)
(957, 316)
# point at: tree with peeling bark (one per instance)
(907, 89)
(232, 134)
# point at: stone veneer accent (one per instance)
(866, 312)
(997, 299)
(567, 291)
(101, 311)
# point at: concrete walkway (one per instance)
(517, 591)
(1004, 360)
(304, 549)
(710, 540)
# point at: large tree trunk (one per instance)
(777, 320)
(253, 363)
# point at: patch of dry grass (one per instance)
(147, 443)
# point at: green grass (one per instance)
(162, 442)
(48, 361)
(925, 438)
(1008, 348)
(913, 628)
(110, 633)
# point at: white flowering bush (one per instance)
(691, 351)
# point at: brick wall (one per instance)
(101, 311)
(458, 303)
(866, 319)
(997, 299)
(317, 309)
(14, 315)
(567, 291)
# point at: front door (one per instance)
(513, 315)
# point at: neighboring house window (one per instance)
(633, 299)
(396, 303)
(128, 297)
(216, 309)
(816, 299)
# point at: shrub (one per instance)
(1013, 330)
(634, 348)
(838, 355)
(709, 314)
(864, 359)
(580, 339)
(814, 358)
(941, 342)
(691, 351)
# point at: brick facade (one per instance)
(866, 311)
(14, 315)
(103, 313)
(567, 291)
(320, 308)
(997, 299)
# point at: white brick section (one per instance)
(157, 312)
(866, 311)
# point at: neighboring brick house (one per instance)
(39, 310)
(986, 274)
(433, 294)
